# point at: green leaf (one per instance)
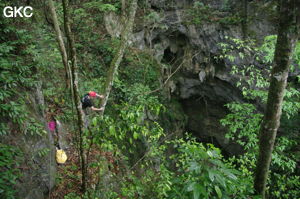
(219, 192)
(220, 180)
(135, 135)
(197, 191)
(191, 186)
(112, 130)
(210, 154)
(211, 175)
(232, 176)
(94, 121)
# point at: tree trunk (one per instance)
(60, 41)
(286, 40)
(119, 54)
(245, 19)
(123, 2)
(80, 114)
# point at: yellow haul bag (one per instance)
(61, 156)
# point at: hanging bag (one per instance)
(61, 156)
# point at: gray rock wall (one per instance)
(37, 164)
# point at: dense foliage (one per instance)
(245, 118)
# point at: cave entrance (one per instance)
(169, 57)
(204, 115)
(178, 42)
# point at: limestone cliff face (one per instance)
(176, 34)
(37, 164)
(39, 178)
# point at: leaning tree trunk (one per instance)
(245, 18)
(123, 2)
(60, 41)
(119, 54)
(80, 114)
(286, 40)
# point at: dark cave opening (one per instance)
(203, 122)
(169, 57)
